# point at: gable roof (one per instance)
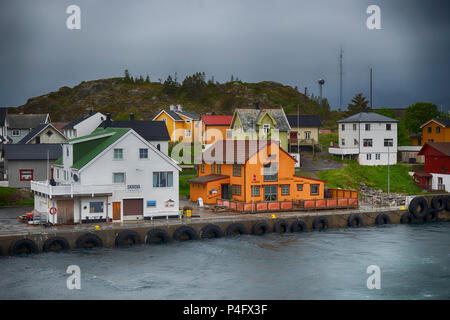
(250, 118)
(37, 130)
(87, 147)
(59, 126)
(189, 114)
(440, 147)
(32, 151)
(217, 120)
(302, 121)
(148, 129)
(72, 124)
(236, 151)
(26, 121)
(367, 117)
(444, 122)
(170, 113)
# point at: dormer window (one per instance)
(266, 128)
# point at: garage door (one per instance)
(133, 207)
(65, 211)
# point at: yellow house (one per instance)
(304, 131)
(436, 130)
(182, 126)
(259, 124)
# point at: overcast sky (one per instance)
(294, 42)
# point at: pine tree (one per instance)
(147, 79)
(359, 104)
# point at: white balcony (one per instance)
(342, 151)
(70, 189)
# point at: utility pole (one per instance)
(371, 105)
(340, 80)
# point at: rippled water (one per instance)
(414, 262)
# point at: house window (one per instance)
(388, 142)
(270, 193)
(314, 189)
(271, 171)
(163, 179)
(143, 153)
(158, 146)
(67, 150)
(429, 129)
(266, 128)
(255, 191)
(354, 127)
(49, 133)
(15, 132)
(219, 169)
(300, 187)
(285, 189)
(388, 127)
(202, 168)
(119, 177)
(343, 142)
(26, 174)
(308, 135)
(355, 142)
(367, 142)
(368, 156)
(118, 154)
(236, 170)
(377, 156)
(438, 129)
(96, 207)
(367, 126)
(236, 189)
(187, 121)
(343, 127)
(187, 133)
(213, 168)
(229, 134)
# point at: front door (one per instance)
(133, 209)
(226, 194)
(116, 210)
(65, 212)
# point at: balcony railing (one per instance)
(70, 189)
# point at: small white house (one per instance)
(111, 174)
(84, 125)
(370, 137)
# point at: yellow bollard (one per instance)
(97, 227)
(188, 213)
(274, 216)
(403, 207)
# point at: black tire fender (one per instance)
(382, 219)
(281, 226)
(260, 228)
(432, 215)
(438, 203)
(320, 223)
(19, 245)
(182, 232)
(406, 218)
(354, 217)
(236, 229)
(211, 231)
(156, 236)
(298, 226)
(447, 203)
(127, 238)
(89, 238)
(418, 207)
(51, 242)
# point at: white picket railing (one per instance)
(70, 189)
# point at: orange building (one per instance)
(182, 125)
(436, 130)
(214, 127)
(251, 171)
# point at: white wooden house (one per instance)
(111, 174)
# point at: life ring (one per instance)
(53, 211)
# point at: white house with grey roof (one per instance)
(84, 125)
(369, 137)
(113, 174)
(20, 125)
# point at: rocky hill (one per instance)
(120, 96)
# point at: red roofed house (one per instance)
(436, 175)
(214, 127)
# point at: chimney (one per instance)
(107, 122)
(131, 116)
(257, 105)
(91, 112)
